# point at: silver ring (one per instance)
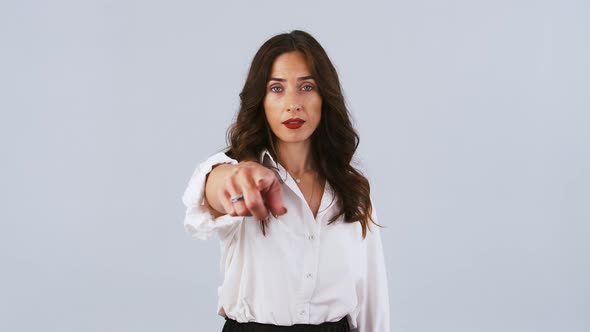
(237, 198)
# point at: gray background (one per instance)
(473, 117)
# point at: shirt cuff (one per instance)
(199, 223)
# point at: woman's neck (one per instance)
(296, 158)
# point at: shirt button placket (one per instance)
(304, 313)
(309, 272)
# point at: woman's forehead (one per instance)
(291, 65)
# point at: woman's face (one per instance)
(291, 93)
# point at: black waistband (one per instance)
(234, 326)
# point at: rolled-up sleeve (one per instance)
(373, 315)
(199, 223)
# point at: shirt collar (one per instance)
(265, 158)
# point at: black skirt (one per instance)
(234, 326)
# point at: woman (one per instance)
(292, 215)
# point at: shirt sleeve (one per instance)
(199, 223)
(374, 308)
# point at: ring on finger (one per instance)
(237, 198)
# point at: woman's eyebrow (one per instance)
(284, 80)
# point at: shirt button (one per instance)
(309, 275)
(311, 237)
(302, 312)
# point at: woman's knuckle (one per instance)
(241, 210)
(229, 181)
(251, 205)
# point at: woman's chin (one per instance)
(293, 139)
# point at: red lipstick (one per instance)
(293, 123)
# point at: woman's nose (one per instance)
(294, 107)
(292, 101)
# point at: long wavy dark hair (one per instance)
(335, 140)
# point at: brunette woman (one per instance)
(293, 216)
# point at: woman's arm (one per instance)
(374, 313)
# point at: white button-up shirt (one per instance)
(304, 271)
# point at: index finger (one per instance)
(254, 203)
(273, 193)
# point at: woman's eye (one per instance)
(275, 87)
(308, 87)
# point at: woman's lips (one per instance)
(293, 123)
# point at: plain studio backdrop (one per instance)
(474, 124)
